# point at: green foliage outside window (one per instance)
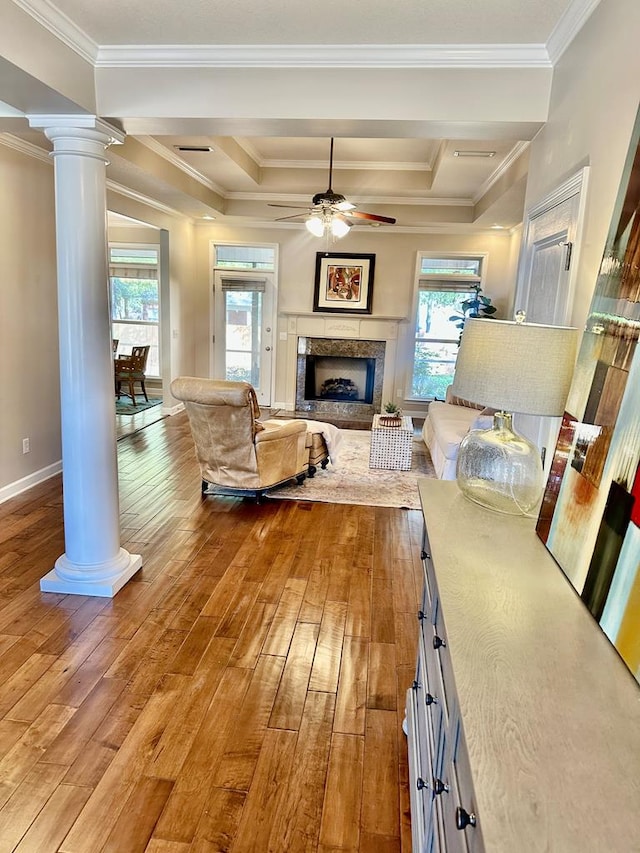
(134, 299)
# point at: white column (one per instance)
(93, 562)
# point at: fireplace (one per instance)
(339, 377)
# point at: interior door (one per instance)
(546, 276)
(243, 338)
(544, 291)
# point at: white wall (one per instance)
(29, 371)
(594, 101)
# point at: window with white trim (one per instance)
(243, 257)
(135, 301)
(443, 284)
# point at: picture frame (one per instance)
(590, 514)
(343, 283)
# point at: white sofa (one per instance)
(446, 425)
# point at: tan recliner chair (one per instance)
(238, 454)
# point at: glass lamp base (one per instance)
(500, 469)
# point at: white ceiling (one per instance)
(384, 169)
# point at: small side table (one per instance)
(391, 447)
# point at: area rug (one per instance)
(351, 481)
(124, 406)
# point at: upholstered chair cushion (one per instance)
(233, 449)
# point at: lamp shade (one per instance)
(516, 367)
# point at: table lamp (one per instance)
(511, 366)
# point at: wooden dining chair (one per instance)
(130, 369)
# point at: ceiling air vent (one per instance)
(200, 149)
(463, 153)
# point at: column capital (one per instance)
(80, 126)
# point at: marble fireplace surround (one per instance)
(342, 349)
(354, 337)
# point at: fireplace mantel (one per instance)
(319, 325)
(394, 317)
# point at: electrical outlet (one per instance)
(26, 445)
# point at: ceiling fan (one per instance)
(330, 212)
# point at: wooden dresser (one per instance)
(523, 722)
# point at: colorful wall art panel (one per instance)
(590, 513)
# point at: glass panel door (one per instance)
(243, 318)
(243, 334)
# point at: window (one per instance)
(443, 283)
(235, 257)
(135, 300)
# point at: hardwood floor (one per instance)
(244, 692)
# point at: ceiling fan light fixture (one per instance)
(315, 225)
(339, 227)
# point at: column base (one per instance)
(103, 588)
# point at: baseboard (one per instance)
(14, 489)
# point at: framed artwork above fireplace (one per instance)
(344, 283)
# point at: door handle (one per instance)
(569, 248)
(268, 349)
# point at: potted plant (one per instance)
(477, 305)
(392, 415)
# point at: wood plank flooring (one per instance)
(243, 693)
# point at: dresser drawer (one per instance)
(439, 676)
(431, 587)
(425, 835)
(462, 829)
(417, 798)
(435, 705)
(459, 760)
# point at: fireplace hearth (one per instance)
(339, 377)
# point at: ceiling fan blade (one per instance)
(373, 217)
(290, 206)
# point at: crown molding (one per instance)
(324, 56)
(62, 27)
(362, 199)
(115, 187)
(24, 147)
(309, 56)
(518, 149)
(168, 155)
(343, 165)
(568, 27)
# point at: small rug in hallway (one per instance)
(124, 406)
(353, 482)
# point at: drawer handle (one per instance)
(425, 556)
(438, 642)
(464, 818)
(440, 787)
(420, 784)
(430, 700)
